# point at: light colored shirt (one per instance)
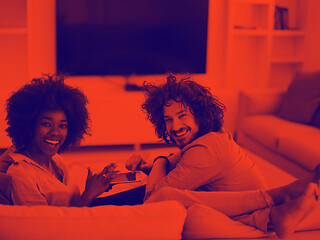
(212, 162)
(34, 185)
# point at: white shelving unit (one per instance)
(13, 41)
(26, 39)
(13, 31)
(13, 54)
(259, 56)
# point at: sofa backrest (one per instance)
(160, 220)
(265, 101)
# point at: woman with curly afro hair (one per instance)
(187, 114)
(44, 118)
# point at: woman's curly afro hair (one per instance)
(207, 110)
(46, 94)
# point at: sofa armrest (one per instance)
(265, 101)
(258, 102)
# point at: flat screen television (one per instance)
(131, 37)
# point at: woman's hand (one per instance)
(6, 155)
(5, 159)
(136, 163)
(98, 183)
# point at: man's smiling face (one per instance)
(180, 123)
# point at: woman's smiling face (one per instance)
(50, 132)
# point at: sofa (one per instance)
(282, 126)
(287, 144)
(161, 220)
(164, 220)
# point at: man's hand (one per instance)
(174, 159)
(136, 163)
(158, 172)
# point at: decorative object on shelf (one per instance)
(281, 18)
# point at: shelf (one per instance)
(250, 32)
(288, 33)
(13, 14)
(13, 30)
(276, 33)
(262, 2)
(287, 60)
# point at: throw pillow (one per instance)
(302, 98)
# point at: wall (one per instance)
(313, 37)
(40, 55)
(41, 44)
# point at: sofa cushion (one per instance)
(297, 141)
(266, 129)
(302, 98)
(256, 101)
(301, 144)
(162, 220)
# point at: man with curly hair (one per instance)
(187, 114)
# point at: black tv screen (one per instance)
(131, 37)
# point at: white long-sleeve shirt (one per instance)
(35, 185)
(212, 162)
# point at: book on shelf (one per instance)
(285, 18)
(281, 18)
